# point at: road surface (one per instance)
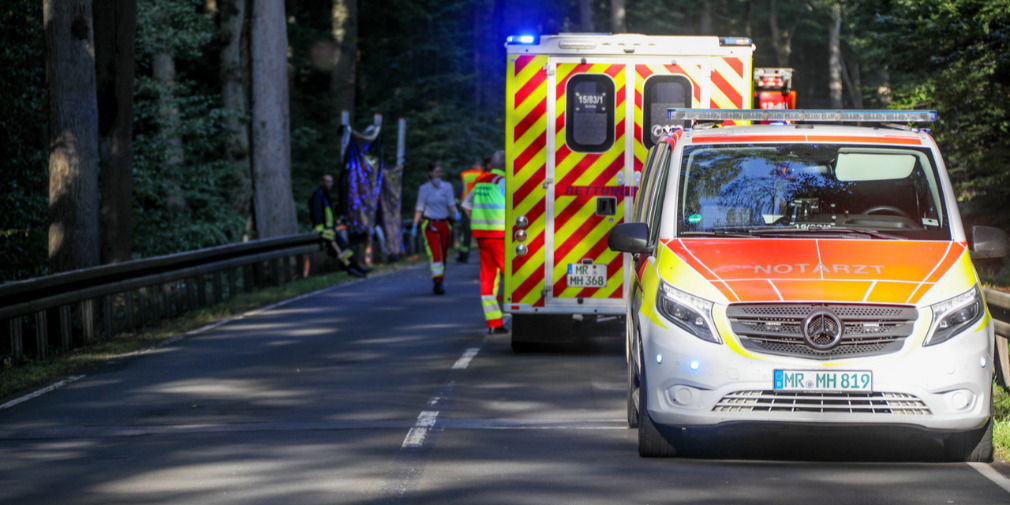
(380, 393)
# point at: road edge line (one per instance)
(987, 471)
(196, 331)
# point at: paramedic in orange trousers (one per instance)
(486, 207)
(435, 205)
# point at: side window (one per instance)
(589, 121)
(661, 170)
(641, 201)
(663, 92)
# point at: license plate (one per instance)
(819, 380)
(586, 275)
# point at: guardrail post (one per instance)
(66, 327)
(275, 272)
(248, 278)
(17, 345)
(1002, 364)
(232, 282)
(201, 293)
(88, 319)
(128, 309)
(107, 314)
(41, 333)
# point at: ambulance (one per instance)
(582, 110)
(803, 275)
(773, 88)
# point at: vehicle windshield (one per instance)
(831, 190)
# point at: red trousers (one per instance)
(437, 236)
(492, 264)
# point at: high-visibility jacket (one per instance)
(487, 217)
(469, 178)
(321, 210)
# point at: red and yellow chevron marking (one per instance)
(578, 232)
(643, 72)
(731, 83)
(525, 150)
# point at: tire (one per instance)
(633, 393)
(651, 442)
(973, 446)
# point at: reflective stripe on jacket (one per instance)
(487, 217)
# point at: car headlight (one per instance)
(955, 314)
(690, 313)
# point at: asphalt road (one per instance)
(381, 393)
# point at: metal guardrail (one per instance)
(65, 310)
(999, 307)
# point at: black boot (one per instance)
(463, 257)
(438, 288)
(356, 272)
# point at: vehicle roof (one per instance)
(807, 133)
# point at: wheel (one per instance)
(651, 442)
(975, 445)
(633, 393)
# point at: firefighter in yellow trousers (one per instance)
(486, 207)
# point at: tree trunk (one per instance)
(586, 16)
(74, 240)
(835, 57)
(618, 17)
(748, 19)
(705, 24)
(115, 31)
(344, 30)
(850, 79)
(271, 146)
(781, 42)
(163, 70)
(235, 99)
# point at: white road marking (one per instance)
(39, 392)
(415, 437)
(466, 358)
(990, 473)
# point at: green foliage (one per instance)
(23, 209)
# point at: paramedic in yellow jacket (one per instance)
(486, 207)
(435, 205)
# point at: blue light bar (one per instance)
(734, 41)
(524, 39)
(816, 116)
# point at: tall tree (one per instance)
(73, 135)
(344, 30)
(163, 70)
(835, 56)
(705, 23)
(271, 142)
(586, 16)
(235, 98)
(618, 17)
(115, 34)
(782, 38)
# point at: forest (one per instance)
(189, 100)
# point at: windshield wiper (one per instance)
(830, 230)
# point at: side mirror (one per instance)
(630, 238)
(988, 243)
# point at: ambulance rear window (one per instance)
(589, 123)
(663, 92)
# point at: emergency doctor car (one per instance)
(805, 274)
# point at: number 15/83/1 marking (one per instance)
(835, 380)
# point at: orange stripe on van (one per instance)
(832, 139)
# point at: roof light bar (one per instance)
(818, 116)
(524, 39)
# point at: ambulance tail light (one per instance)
(690, 313)
(806, 115)
(955, 315)
(523, 39)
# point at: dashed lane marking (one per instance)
(415, 437)
(466, 358)
(990, 473)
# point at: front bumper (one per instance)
(693, 383)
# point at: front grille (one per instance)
(850, 403)
(867, 330)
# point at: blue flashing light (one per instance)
(694, 365)
(524, 39)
